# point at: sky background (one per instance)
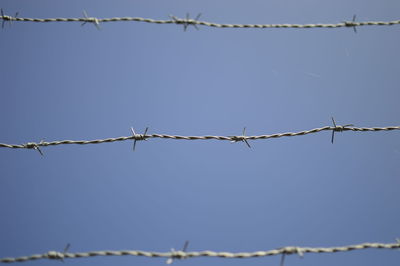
(63, 81)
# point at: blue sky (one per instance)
(63, 81)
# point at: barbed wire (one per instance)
(55, 255)
(241, 138)
(194, 22)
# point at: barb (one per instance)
(93, 20)
(241, 138)
(137, 137)
(335, 128)
(35, 146)
(183, 254)
(178, 254)
(7, 18)
(289, 251)
(55, 255)
(187, 21)
(351, 23)
(338, 128)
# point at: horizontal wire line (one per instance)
(138, 137)
(184, 255)
(187, 21)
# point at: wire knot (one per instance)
(55, 255)
(186, 21)
(5, 18)
(139, 137)
(34, 146)
(337, 128)
(242, 138)
(288, 251)
(93, 20)
(293, 250)
(351, 23)
(178, 254)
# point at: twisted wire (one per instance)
(34, 145)
(184, 255)
(187, 21)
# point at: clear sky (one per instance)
(63, 81)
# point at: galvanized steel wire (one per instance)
(240, 138)
(54, 255)
(188, 21)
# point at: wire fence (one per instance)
(241, 138)
(183, 254)
(187, 21)
(55, 255)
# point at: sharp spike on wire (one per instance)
(185, 246)
(333, 131)
(187, 21)
(93, 20)
(351, 23)
(244, 137)
(5, 18)
(282, 259)
(241, 138)
(55, 255)
(2, 18)
(175, 254)
(338, 128)
(138, 136)
(195, 20)
(35, 146)
(16, 15)
(354, 27)
(198, 16)
(134, 142)
(65, 251)
(67, 248)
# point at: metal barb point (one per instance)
(93, 20)
(244, 138)
(338, 128)
(351, 23)
(290, 250)
(241, 138)
(176, 254)
(55, 255)
(11, 19)
(138, 136)
(35, 146)
(66, 248)
(65, 251)
(5, 18)
(185, 246)
(282, 259)
(186, 22)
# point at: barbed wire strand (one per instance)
(242, 138)
(184, 255)
(188, 21)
